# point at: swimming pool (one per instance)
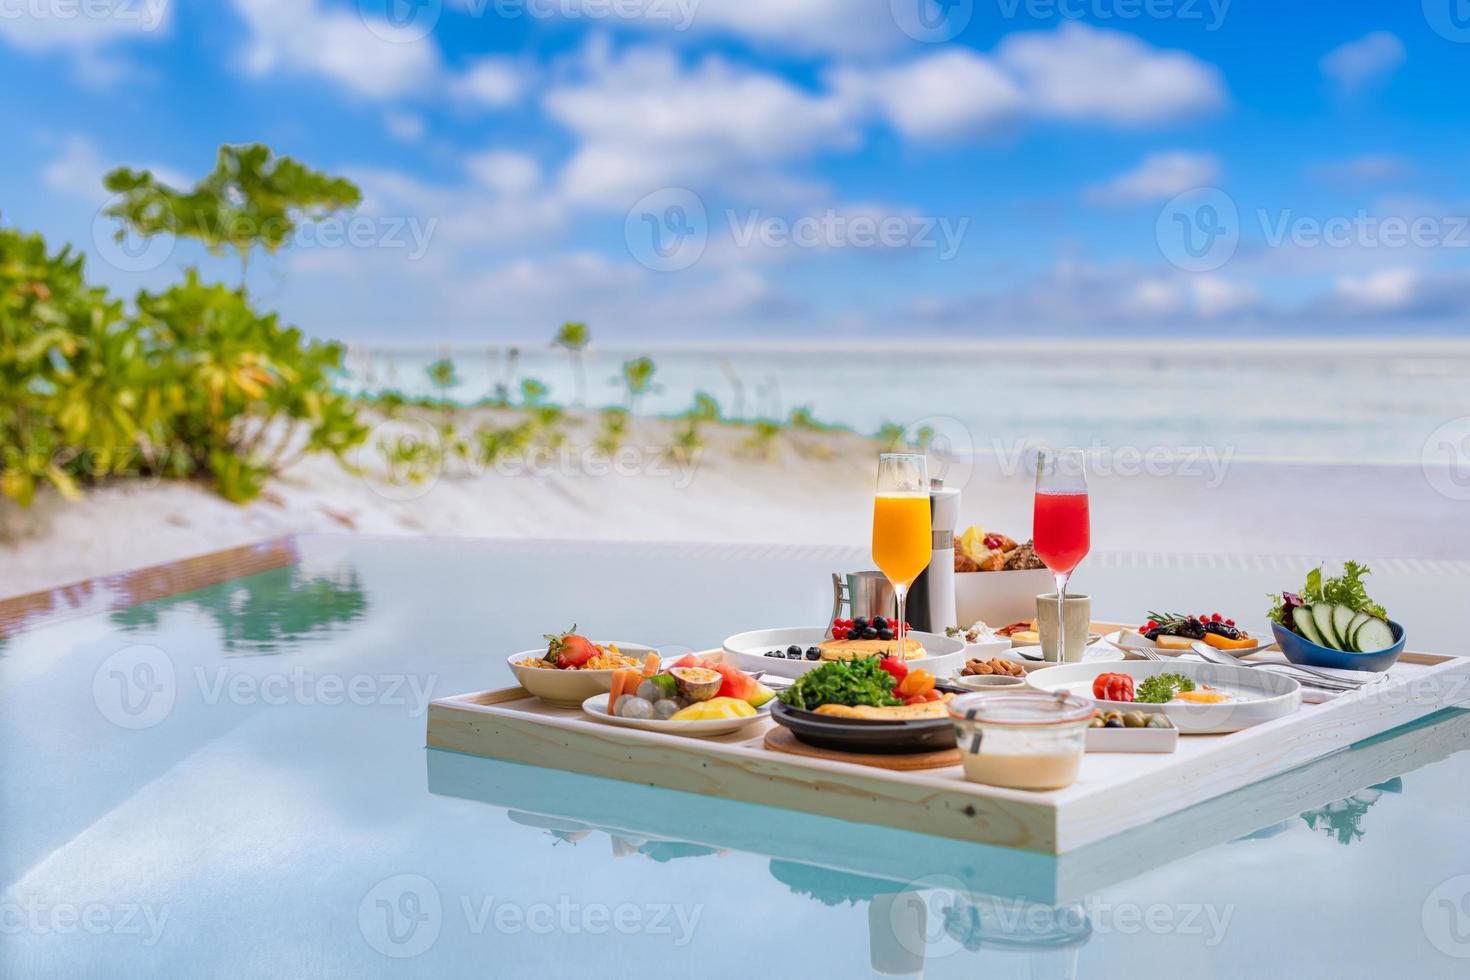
(231, 781)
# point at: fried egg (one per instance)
(1204, 695)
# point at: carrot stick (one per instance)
(650, 665)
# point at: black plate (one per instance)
(858, 735)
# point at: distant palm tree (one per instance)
(573, 337)
(638, 379)
(443, 376)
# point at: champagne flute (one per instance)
(1061, 529)
(903, 535)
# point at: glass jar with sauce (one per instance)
(1021, 739)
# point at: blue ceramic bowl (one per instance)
(1300, 650)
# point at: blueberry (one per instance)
(885, 634)
(813, 654)
(860, 624)
(773, 653)
(793, 650)
(870, 634)
(879, 623)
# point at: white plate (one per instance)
(1097, 653)
(944, 655)
(1263, 698)
(1134, 640)
(569, 688)
(596, 707)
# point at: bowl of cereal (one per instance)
(572, 668)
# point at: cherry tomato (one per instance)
(917, 682)
(1113, 687)
(896, 667)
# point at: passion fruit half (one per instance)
(697, 683)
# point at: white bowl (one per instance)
(1266, 695)
(943, 655)
(569, 688)
(1000, 598)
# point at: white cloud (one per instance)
(406, 127)
(505, 171)
(1370, 169)
(77, 173)
(1214, 296)
(300, 36)
(491, 82)
(1383, 291)
(462, 216)
(82, 27)
(1082, 73)
(953, 93)
(646, 122)
(1159, 177)
(1368, 59)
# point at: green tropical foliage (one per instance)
(613, 431)
(194, 382)
(252, 199)
(573, 337)
(637, 378)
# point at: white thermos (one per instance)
(931, 605)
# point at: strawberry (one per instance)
(568, 649)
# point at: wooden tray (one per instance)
(1114, 793)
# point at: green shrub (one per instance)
(195, 384)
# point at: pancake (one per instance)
(856, 649)
(896, 712)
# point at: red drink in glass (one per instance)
(1060, 529)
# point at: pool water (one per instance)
(232, 782)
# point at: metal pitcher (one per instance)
(865, 594)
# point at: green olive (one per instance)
(1159, 721)
(1135, 719)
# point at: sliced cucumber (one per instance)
(1322, 617)
(1341, 617)
(1374, 635)
(1352, 631)
(1302, 616)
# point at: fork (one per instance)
(1225, 659)
(1324, 681)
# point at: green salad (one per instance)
(850, 682)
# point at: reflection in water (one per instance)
(1343, 818)
(260, 614)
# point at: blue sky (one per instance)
(820, 168)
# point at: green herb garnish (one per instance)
(850, 682)
(1161, 688)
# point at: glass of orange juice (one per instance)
(903, 537)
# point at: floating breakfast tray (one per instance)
(1113, 793)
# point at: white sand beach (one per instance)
(813, 488)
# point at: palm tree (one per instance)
(573, 337)
(638, 379)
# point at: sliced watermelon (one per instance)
(740, 685)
